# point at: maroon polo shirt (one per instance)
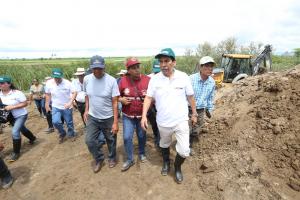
(136, 91)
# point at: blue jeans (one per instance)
(19, 125)
(129, 125)
(67, 115)
(94, 127)
(40, 104)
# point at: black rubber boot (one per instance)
(5, 176)
(16, 150)
(166, 161)
(28, 134)
(3, 169)
(177, 165)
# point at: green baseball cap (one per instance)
(166, 52)
(4, 79)
(155, 66)
(57, 73)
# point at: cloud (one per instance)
(135, 27)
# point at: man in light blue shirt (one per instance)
(101, 112)
(204, 89)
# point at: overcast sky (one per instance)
(72, 28)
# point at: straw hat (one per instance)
(80, 71)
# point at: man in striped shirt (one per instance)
(204, 88)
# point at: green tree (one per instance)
(228, 45)
(205, 49)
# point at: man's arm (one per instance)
(146, 106)
(210, 100)
(70, 103)
(115, 127)
(47, 103)
(87, 105)
(192, 103)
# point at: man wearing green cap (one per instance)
(62, 94)
(172, 91)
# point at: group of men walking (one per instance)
(170, 92)
(169, 99)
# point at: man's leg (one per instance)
(182, 148)
(152, 119)
(141, 135)
(91, 140)
(43, 107)
(38, 105)
(56, 120)
(196, 129)
(164, 143)
(68, 117)
(111, 140)
(5, 176)
(81, 109)
(128, 130)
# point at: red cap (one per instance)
(132, 61)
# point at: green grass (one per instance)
(24, 70)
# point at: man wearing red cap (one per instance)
(133, 89)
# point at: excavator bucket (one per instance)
(218, 76)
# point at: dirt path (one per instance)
(49, 170)
(250, 152)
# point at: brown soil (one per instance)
(251, 151)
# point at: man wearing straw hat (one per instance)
(78, 85)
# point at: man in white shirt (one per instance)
(62, 94)
(172, 91)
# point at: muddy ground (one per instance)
(251, 151)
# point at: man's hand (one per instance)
(115, 128)
(68, 105)
(85, 116)
(125, 101)
(1, 146)
(207, 113)
(48, 109)
(194, 119)
(144, 123)
(8, 108)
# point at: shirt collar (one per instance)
(200, 78)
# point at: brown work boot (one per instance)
(112, 163)
(98, 166)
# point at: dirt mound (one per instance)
(252, 150)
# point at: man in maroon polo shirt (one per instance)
(133, 88)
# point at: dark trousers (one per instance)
(151, 115)
(40, 105)
(81, 109)
(94, 127)
(4, 172)
(197, 128)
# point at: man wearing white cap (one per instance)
(78, 85)
(204, 88)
